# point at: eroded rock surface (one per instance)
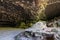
(52, 34)
(39, 33)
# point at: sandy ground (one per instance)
(9, 33)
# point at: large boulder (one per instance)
(52, 10)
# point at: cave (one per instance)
(52, 11)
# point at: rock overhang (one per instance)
(52, 10)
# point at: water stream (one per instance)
(39, 31)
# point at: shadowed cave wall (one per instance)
(52, 10)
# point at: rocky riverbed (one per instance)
(39, 31)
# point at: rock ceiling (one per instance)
(53, 9)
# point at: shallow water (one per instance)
(9, 33)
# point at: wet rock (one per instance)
(37, 33)
(29, 35)
(55, 22)
(41, 25)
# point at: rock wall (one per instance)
(13, 12)
(52, 10)
(49, 9)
